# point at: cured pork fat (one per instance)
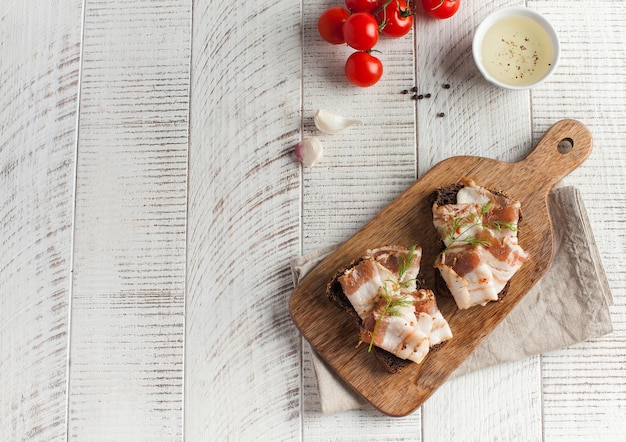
(481, 250)
(396, 315)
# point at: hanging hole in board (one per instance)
(565, 145)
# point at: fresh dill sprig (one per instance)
(393, 302)
(464, 224)
(392, 305)
(499, 225)
(486, 208)
(405, 262)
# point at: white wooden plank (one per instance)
(246, 196)
(497, 403)
(584, 386)
(242, 349)
(366, 424)
(363, 170)
(365, 167)
(39, 67)
(479, 119)
(126, 377)
(491, 404)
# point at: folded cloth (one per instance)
(569, 304)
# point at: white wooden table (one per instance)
(150, 203)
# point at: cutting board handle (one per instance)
(564, 147)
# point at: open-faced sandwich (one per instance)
(478, 228)
(397, 317)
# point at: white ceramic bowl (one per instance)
(516, 48)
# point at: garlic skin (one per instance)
(309, 151)
(332, 123)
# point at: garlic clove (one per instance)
(332, 123)
(309, 151)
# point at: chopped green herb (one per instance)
(393, 300)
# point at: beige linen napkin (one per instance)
(569, 304)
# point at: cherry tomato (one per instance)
(361, 31)
(362, 5)
(363, 69)
(441, 8)
(396, 19)
(330, 24)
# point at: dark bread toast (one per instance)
(447, 195)
(390, 362)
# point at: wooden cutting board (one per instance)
(408, 220)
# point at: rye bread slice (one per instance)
(447, 195)
(390, 362)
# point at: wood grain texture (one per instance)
(339, 195)
(479, 119)
(528, 181)
(441, 55)
(242, 366)
(487, 121)
(157, 307)
(363, 169)
(367, 424)
(584, 396)
(507, 386)
(39, 67)
(126, 376)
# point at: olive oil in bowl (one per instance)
(515, 48)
